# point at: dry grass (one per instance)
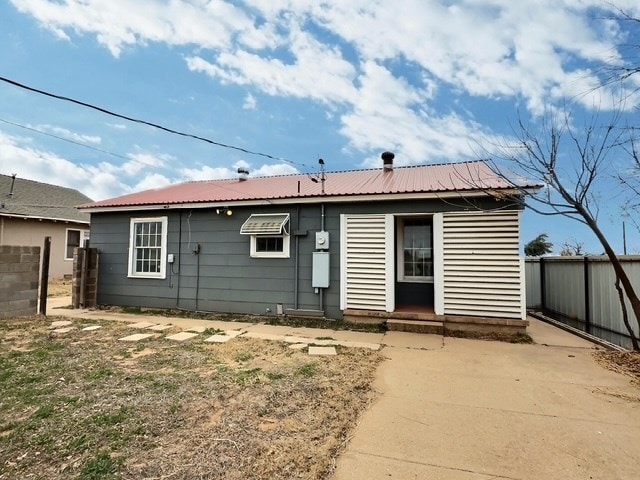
(59, 287)
(627, 362)
(84, 405)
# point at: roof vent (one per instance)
(243, 174)
(387, 161)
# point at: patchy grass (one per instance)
(84, 405)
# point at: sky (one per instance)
(297, 80)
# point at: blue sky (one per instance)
(430, 80)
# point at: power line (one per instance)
(150, 124)
(64, 139)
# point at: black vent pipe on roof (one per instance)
(387, 161)
(13, 181)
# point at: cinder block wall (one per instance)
(19, 267)
(84, 292)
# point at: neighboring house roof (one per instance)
(31, 199)
(474, 176)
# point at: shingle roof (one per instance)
(41, 200)
(466, 176)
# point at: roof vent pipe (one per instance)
(243, 174)
(13, 181)
(387, 161)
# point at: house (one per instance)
(434, 242)
(31, 211)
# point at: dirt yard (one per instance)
(59, 287)
(85, 405)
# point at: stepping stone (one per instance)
(292, 339)
(60, 323)
(136, 337)
(91, 328)
(322, 351)
(141, 325)
(264, 336)
(63, 330)
(181, 337)
(218, 339)
(196, 329)
(233, 333)
(298, 346)
(160, 328)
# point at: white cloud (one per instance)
(318, 71)
(250, 102)
(153, 181)
(16, 156)
(351, 57)
(206, 172)
(68, 134)
(99, 181)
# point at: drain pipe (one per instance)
(296, 258)
(321, 290)
(179, 261)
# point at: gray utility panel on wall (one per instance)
(320, 277)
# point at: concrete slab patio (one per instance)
(478, 410)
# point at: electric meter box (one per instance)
(322, 240)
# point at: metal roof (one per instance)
(31, 199)
(451, 177)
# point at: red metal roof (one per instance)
(466, 176)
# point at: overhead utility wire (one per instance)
(144, 122)
(64, 139)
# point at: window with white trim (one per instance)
(269, 235)
(148, 247)
(75, 238)
(415, 250)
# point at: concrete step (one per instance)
(416, 326)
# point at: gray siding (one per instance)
(229, 280)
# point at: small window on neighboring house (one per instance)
(75, 238)
(147, 247)
(269, 236)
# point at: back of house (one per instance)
(440, 240)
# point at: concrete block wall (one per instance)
(84, 292)
(19, 275)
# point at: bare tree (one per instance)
(571, 248)
(570, 163)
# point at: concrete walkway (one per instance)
(477, 410)
(461, 409)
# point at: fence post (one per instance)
(543, 286)
(587, 299)
(44, 276)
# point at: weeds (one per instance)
(84, 406)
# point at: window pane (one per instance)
(148, 247)
(417, 248)
(270, 244)
(73, 240)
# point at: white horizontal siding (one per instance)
(482, 272)
(365, 264)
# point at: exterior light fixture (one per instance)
(224, 211)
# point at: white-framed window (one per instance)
(270, 246)
(75, 238)
(415, 249)
(269, 235)
(148, 247)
